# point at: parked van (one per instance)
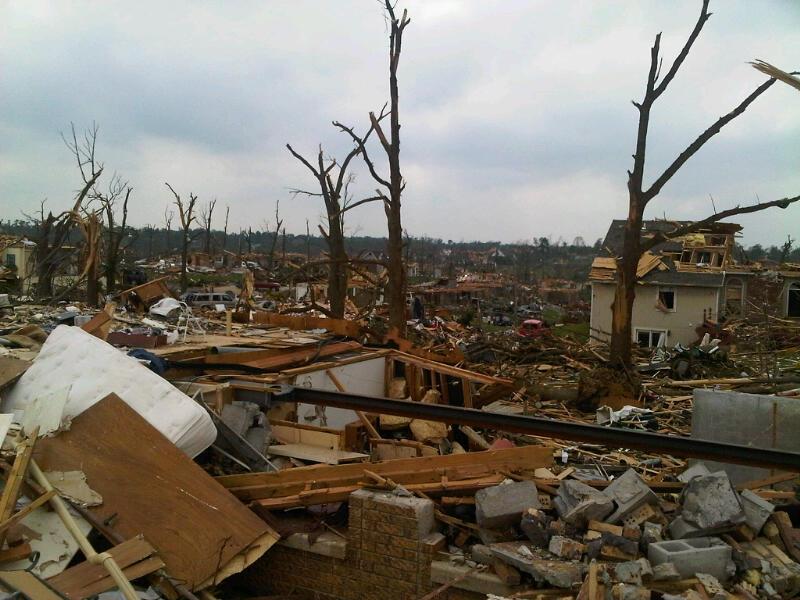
(212, 299)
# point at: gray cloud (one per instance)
(517, 120)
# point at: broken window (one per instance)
(686, 257)
(648, 338)
(793, 305)
(734, 297)
(704, 258)
(11, 260)
(666, 299)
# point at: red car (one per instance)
(532, 328)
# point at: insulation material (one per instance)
(92, 369)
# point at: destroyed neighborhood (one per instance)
(212, 407)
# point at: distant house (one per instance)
(18, 260)
(682, 282)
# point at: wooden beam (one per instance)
(15, 479)
(24, 512)
(424, 469)
(450, 370)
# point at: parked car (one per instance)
(212, 299)
(532, 328)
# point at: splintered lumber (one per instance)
(28, 584)
(456, 372)
(150, 487)
(373, 433)
(106, 560)
(270, 360)
(15, 479)
(342, 327)
(135, 557)
(405, 471)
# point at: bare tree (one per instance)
(396, 291)
(186, 213)
(53, 231)
(168, 216)
(274, 244)
(225, 229)
(334, 180)
(115, 230)
(640, 196)
(206, 217)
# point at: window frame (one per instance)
(667, 288)
(650, 331)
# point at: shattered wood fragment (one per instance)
(196, 526)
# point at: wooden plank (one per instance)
(787, 533)
(134, 557)
(14, 553)
(24, 512)
(268, 360)
(28, 584)
(11, 369)
(466, 388)
(286, 433)
(343, 327)
(317, 454)
(450, 370)
(340, 494)
(15, 479)
(252, 486)
(152, 488)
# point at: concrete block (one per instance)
(502, 505)
(697, 555)
(565, 547)
(558, 573)
(634, 572)
(696, 470)
(535, 524)
(666, 572)
(709, 505)
(629, 492)
(578, 503)
(756, 510)
(481, 582)
(419, 509)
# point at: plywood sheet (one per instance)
(316, 454)
(154, 489)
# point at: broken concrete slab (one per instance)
(535, 524)
(709, 505)
(502, 505)
(558, 573)
(756, 510)
(697, 555)
(578, 503)
(565, 547)
(629, 492)
(696, 470)
(634, 572)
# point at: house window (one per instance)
(793, 306)
(666, 299)
(650, 338)
(11, 260)
(734, 297)
(704, 258)
(686, 256)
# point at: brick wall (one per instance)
(391, 541)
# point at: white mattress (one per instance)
(94, 369)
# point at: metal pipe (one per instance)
(551, 428)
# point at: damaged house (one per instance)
(682, 283)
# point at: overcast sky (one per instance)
(516, 114)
